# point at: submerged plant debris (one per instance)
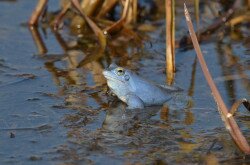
(54, 103)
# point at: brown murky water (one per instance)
(55, 113)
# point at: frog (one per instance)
(136, 91)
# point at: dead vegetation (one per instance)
(93, 13)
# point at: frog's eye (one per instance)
(120, 71)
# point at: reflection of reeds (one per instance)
(191, 87)
(170, 41)
(61, 15)
(98, 32)
(38, 40)
(228, 59)
(120, 23)
(226, 116)
(106, 7)
(88, 9)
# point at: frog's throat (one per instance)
(114, 79)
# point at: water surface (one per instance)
(55, 113)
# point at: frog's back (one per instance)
(150, 93)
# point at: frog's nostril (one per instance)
(126, 77)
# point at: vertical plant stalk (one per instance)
(134, 8)
(170, 65)
(227, 117)
(173, 32)
(197, 16)
(37, 12)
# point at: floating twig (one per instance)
(186, 40)
(239, 19)
(236, 105)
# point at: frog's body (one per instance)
(135, 91)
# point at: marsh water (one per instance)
(53, 112)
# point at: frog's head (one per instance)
(118, 79)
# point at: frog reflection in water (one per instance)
(136, 91)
